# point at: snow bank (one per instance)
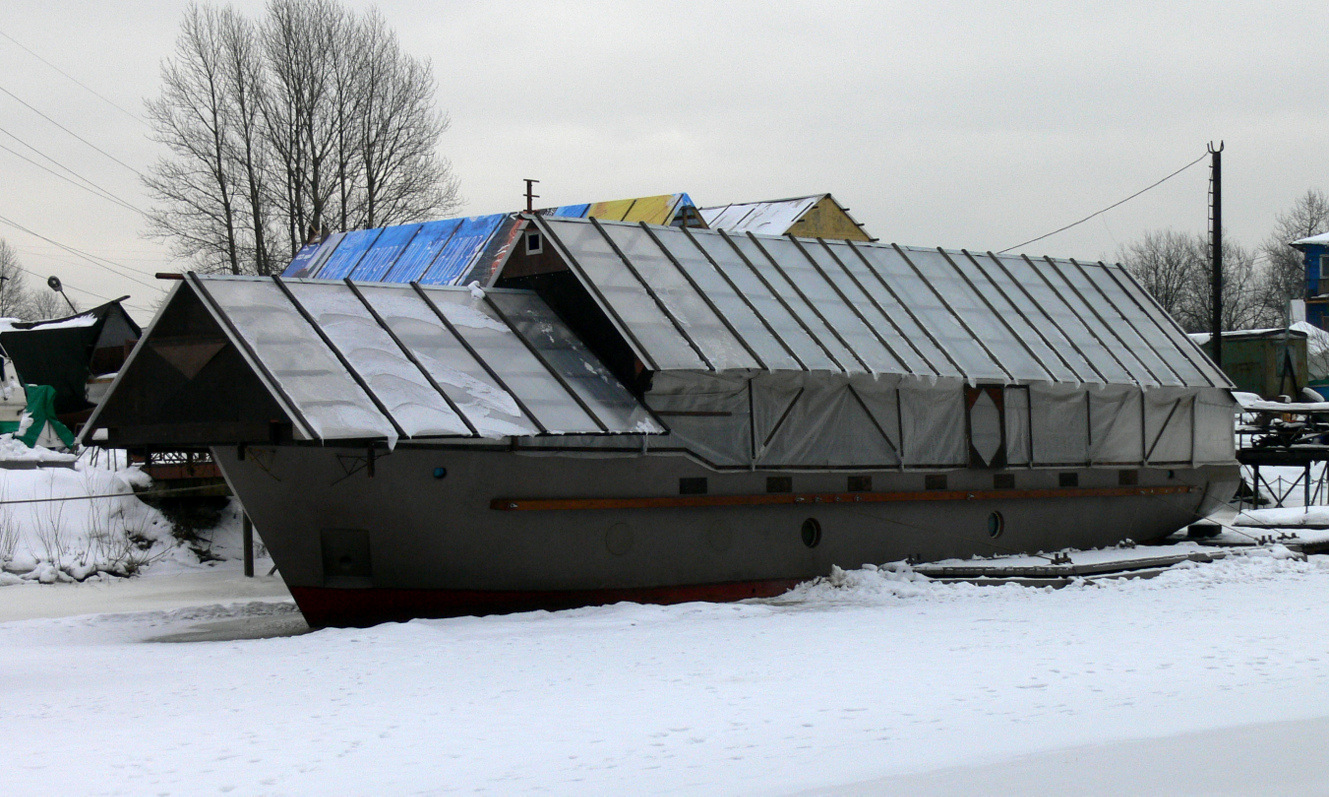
(67, 518)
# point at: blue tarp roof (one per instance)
(453, 251)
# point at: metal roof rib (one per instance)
(548, 366)
(835, 333)
(410, 355)
(1102, 321)
(274, 386)
(877, 305)
(1056, 350)
(881, 279)
(1126, 320)
(341, 357)
(941, 298)
(466, 344)
(746, 301)
(850, 304)
(776, 294)
(702, 295)
(1171, 328)
(608, 309)
(654, 297)
(1089, 328)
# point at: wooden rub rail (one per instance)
(692, 501)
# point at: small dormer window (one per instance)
(534, 245)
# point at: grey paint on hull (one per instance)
(440, 533)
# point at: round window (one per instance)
(996, 525)
(811, 532)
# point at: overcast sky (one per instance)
(977, 125)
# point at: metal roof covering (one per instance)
(662, 209)
(354, 361)
(710, 300)
(769, 218)
(445, 252)
(453, 251)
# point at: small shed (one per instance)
(1270, 362)
(68, 353)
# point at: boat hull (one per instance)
(427, 532)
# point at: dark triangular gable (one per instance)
(187, 384)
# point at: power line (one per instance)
(70, 132)
(106, 264)
(95, 190)
(1106, 209)
(66, 168)
(88, 88)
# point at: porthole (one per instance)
(811, 532)
(439, 473)
(996, 525)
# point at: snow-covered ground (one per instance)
(1210, 678)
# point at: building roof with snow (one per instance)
(815, 216)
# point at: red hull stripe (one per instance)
(323, 606)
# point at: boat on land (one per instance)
(607, 411)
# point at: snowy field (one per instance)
(1208, 679)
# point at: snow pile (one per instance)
(74, 518)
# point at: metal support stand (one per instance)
(247, 527)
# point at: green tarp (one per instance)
(41, 408)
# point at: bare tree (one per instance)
(1286, 269)
(1176, 269)
(279, 129)
(40, 305)
(13, 288)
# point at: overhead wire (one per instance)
(35, 110)
(95, 190)
(75, 80)
(93, 259)
(1106, 209)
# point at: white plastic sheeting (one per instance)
(706, 299)
(387, 361)
(794, 421)
(768, 218)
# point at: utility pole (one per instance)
(1216, 247)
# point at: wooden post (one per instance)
(247, 527)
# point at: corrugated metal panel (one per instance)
(461, 250)
(710, 300)
(382, 361)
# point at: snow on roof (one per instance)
(769, 218)
(1201, 338)
(1321, 239)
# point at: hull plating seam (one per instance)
(684, 501)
